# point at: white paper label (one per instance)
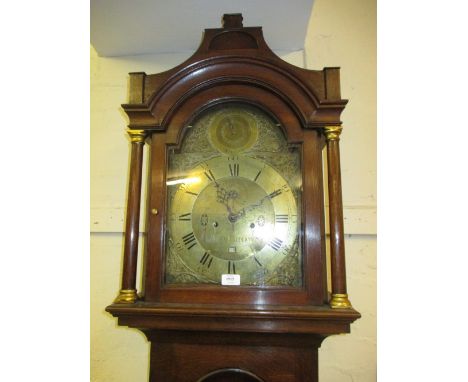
(230, 279)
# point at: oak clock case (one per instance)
(233, 196)
(235, 282)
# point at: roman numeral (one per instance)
(282, 218)
(234, 169)
(191, 193)
(206, 256)
(275, 193)
(185, 217)
(258, 174)
(275, 243)
(231, 266)
(210, 175)
(258, 262)
(189, 240)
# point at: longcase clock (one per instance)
(235, 276)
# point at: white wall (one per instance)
(341, 33)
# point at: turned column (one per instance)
(339, 297)
(128, 292)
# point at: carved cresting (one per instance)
(232, 20)
(128, 293)
(338, 269)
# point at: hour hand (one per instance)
(251, 207)
(222, 196)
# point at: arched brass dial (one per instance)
(234, 215)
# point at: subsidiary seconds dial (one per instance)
(233, 215)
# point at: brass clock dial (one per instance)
(237, 216)
(233, 197)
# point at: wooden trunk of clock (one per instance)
(235, 277)
(206, 356)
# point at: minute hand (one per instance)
(252, 206)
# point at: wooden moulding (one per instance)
(235, 318)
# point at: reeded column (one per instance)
(128, 293)
(338, 268)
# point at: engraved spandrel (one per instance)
(177, 272)
(196, 139)
(288, 272)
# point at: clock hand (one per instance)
(250, 207)
(223, 197)
(221, 194)
(253, 206)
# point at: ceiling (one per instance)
(124, 27)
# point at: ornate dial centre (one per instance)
(233, 218)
